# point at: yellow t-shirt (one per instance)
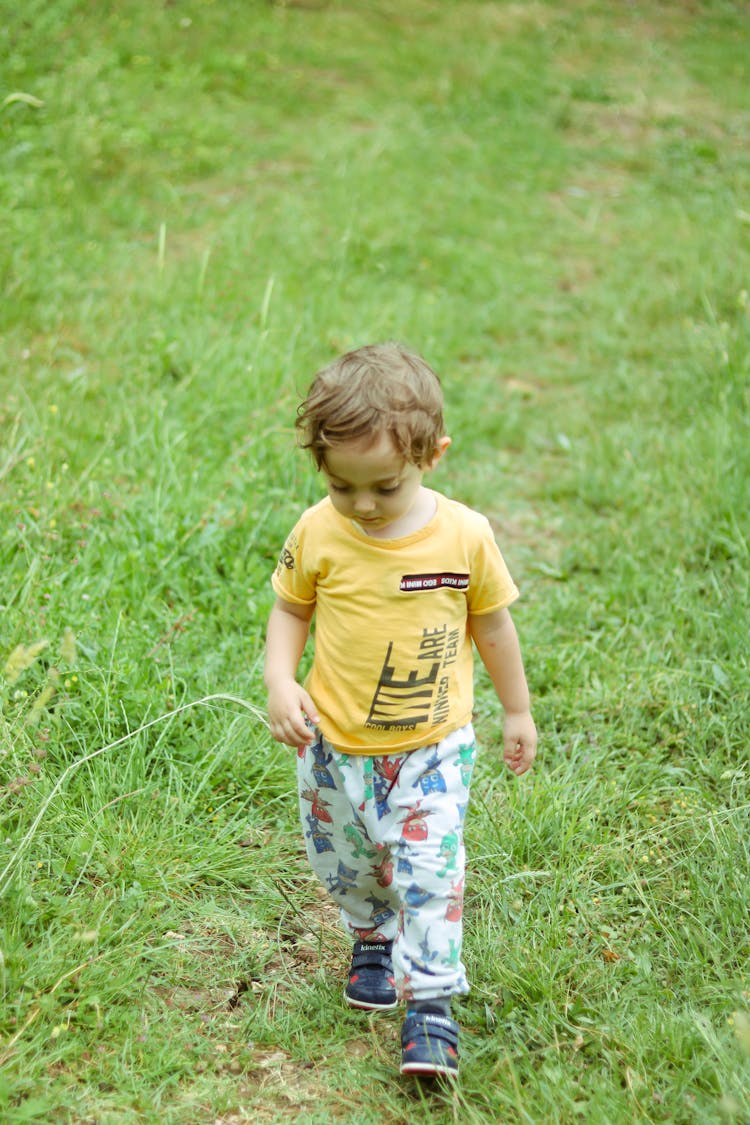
(393, 667)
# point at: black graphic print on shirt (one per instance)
(416, 692)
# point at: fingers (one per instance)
(292, 713)
(291, 719)
(519, 756)
(520, 740)
(309, 708)
(302, 723)
(293, 731)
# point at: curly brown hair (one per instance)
(381, 388)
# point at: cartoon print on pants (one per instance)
(455, 909)
(449, 846)
(345, 880)
(428, 954)
(369, 786)
(404, 865)
(383, 872)
(432, 780)
(319, 807)
(415, 823)
(416, 897)
(466, 756)
(322, 760)
(357, 841)
(454, 955)
(321, 840)
(368, 934)
(381, 911)
(387, 770)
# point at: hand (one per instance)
(289, 706)
(519, 739)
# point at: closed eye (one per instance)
(382, 490)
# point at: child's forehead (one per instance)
(364, 461)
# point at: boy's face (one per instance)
(370, 483)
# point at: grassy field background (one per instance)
(202, 202)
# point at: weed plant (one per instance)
(201, 203)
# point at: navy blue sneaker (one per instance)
(429, 1045)
(371, 986)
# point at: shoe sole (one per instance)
(364, 1006)
(426, 1070)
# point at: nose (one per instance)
(364, 503)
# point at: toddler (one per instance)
(402, 582)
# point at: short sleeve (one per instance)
(491, 586)
(295, 578)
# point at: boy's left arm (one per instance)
(496, 639)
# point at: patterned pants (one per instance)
(385, 837)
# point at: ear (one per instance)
(440, 449)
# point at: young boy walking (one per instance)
(402, 581)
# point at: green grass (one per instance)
(200, 204)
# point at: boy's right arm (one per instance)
(288, 702)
